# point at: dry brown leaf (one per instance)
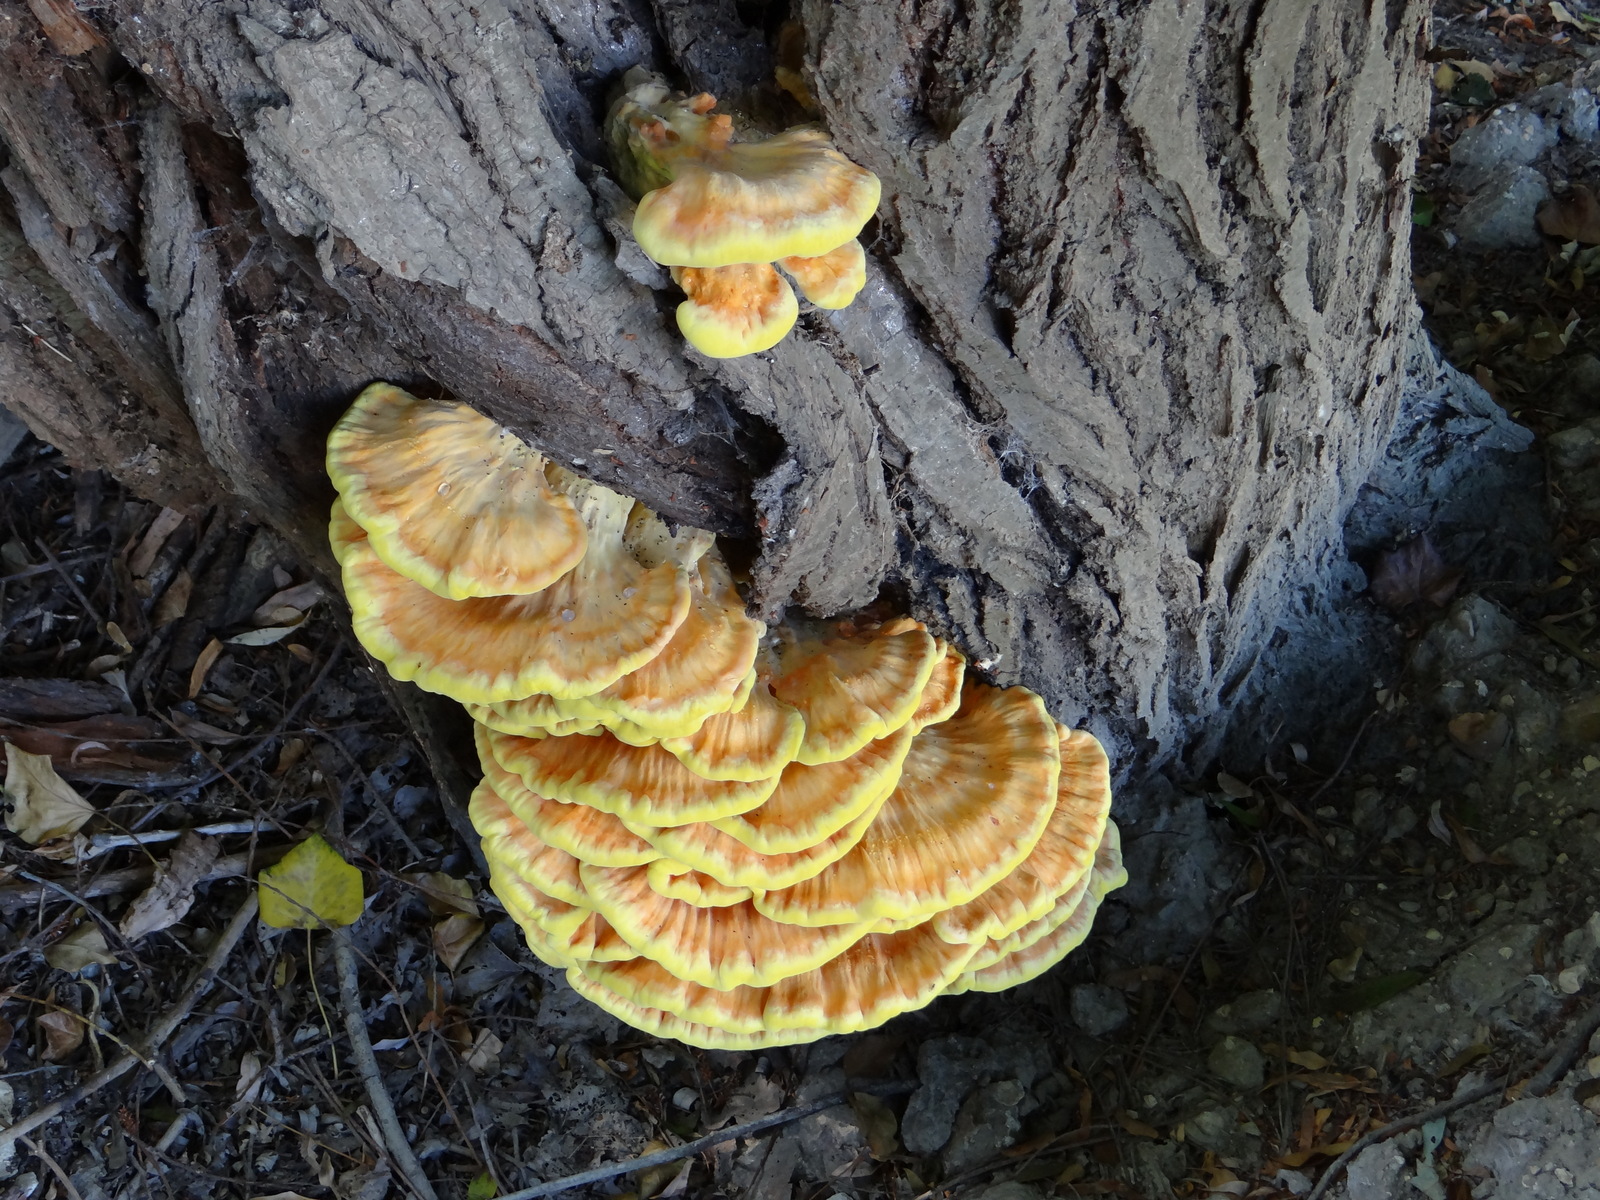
(1412, 573)
(454, 936)
(251, 1077)
(84, 946)
(63, 1034)
(169, 897)
(202, 667)
(295, 600)
(877, 1122)
(163, 527)
(200, 731)
(174, 601)
(1135, 1126)
(1480, 735)
(1574, 217)
(446, 895)
(44, 806)
(484, 1057)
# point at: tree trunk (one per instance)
(1134, 332)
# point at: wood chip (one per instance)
(163, 527)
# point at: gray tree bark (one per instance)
(1134, 332)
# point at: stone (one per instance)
(1537, 1149)
(1500, 214)
(1249, 1013)
(988, 1122)
(1580, 721)
(12, 431)
(832, 1145)
(1097, 1009)
(1528, 853)
(1238, 1062)
(1376, 1173)
(1512, 136)
(1580, 116)
(1008, 1191)
(1576, 447)
(1220, 1131)
(765, 1170)
(948, 1068)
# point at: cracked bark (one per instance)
(1133, 335)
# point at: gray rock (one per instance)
(1500, 214)
(12, 431)
(1531, 854)
(1220, 1131)
(765, 1170)
(1575, 448)
(1534, 717)
(1249, 1013)
(1474, 630)
(1008, 1191)
(948, 1068)
(988, 1122)
(1512, 136)
(1580, 116)
(1542, 1148)
(1489, 972)
(1097, 1009)
(832, 1145)
(1375, 1173)
(1238, 1062)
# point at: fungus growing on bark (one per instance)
(449, 499)
(719, 209)
(735, 838)
(735, 310)
(830, 280)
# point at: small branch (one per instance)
(102, 843)
(675, 1153)
(154, 1038)
(355, 1028)
(112, 883)
(1561, 1058)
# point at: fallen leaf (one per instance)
(445, 894)
(1326, 1150)
(1308, 1059)
(169, 897)
(878, 1124)
(63, 1034)
(265, 637)
(1559, 14)
(174, 601)
(1573, 217)
(202, 667)
(311, 887)
(251, 1077)
(297, 599)
(1135, 1126)
(1344, 969)
(44, 806)
(454, 936)
(84, 946)
(482, 1187)
(201, 731)
(1232, 785)
(163, 527)
(1480, 735)
(1547, 338)
(1411, 573)
(484, 1057)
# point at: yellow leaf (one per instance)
(84, 946)
(1309, 1059)
(1445, 77)
(311, 887)
(43, 805)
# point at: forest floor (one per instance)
(1397, 923)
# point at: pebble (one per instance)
(1238, 1062)
(1097, 1009)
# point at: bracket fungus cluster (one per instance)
(722, 212)
(728, 834)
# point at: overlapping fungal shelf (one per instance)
(728, 834)
(722, 212)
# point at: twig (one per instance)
(154, 1038)
(102, 843)
(674, 1153)
(355, 1028)
(113, 883)
(66, 577)
(1557, 1065)
(1343, 762)
(44, 1156)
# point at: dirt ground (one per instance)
(1397, 921)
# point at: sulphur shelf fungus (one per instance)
(720, 209)
(730, 835)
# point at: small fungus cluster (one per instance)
(727, 834)
(720, 212)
